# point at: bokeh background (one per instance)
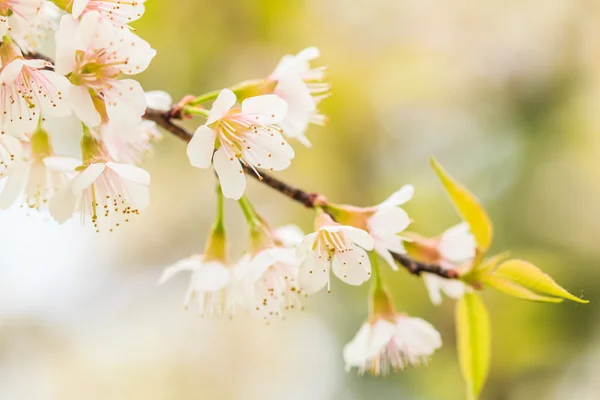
(505, 94)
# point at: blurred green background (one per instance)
(504, 93)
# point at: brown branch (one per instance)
(310, 200)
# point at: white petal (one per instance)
(125, 102)
(352, 267)
(85, 178)
(56, 101)
(457, 244)
(159, 100)
(400, 197)
(231, 175)
(201, 148)
(62, 204)
(267, 109)
(221, 106)
(83, 106)
(309, 54)
(418, 337)
(187, 264)
(130, 173)
(260, 263)
(14, 185)
(370, 340)
(210, 277)
(62, 164)
(388, 221)
(11, 71)
(432, 283)
(313, 274)
(359, 237)
(306, 245)
(386, 255)
(290, 235)
(79, 7)
(435, 285)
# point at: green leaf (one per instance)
(467, 206)
(512, 289)
(531, 277)
(473, 342)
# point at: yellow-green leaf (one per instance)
(512, 289)
(473, 342)
(531, 277)
(467, 206)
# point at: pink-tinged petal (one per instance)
(187, 264)
(400, 197)
(352, 267)
(37, 64)
(313, 274)
(130, 173)
(267, 109)
(87, 177)
(457, 244)
(79, 7)
(231, 175)
(221, 106)
(11, 71)
(359, 237)
(55, 102)
(65, 45)
(83, 106)
(62, 164)
(201, 148)
(63, 203)
(159, 100)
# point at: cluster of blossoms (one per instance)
(245, 132)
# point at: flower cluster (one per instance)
(95, 49)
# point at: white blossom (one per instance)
(243, 136)
(334, 246)
(129, 144)
(28, 92)
(30, 33)
(393, 343)
(118, 12)
(18, 17)
(213, 285)
(387, 221)
(456, 247)
(303, 88)
(95, 53)
(107, 192)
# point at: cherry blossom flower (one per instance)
(107, 192)
(30, 33)
(129, 144)
(35, 178)
(17, 17)
(95, 53)
(243, 136)
(391, 342)
(385, 222)
(118, 12)
(334, 246)
(455, 249)
(28, 92)
(303, 88)
(213, 285)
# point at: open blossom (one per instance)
(107, 192)
(245, 135)
(34, 178)
(129, 144)
(334, 246)
(303, 88)
(30, 33)
(118, 12)
(28, 92)
(391, 342)
(17, 17)
(454, 249)
(212, 285)
(95, 53)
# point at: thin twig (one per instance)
(310, 200)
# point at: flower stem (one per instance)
(203, 98)
(195, 111)
(216, 246)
